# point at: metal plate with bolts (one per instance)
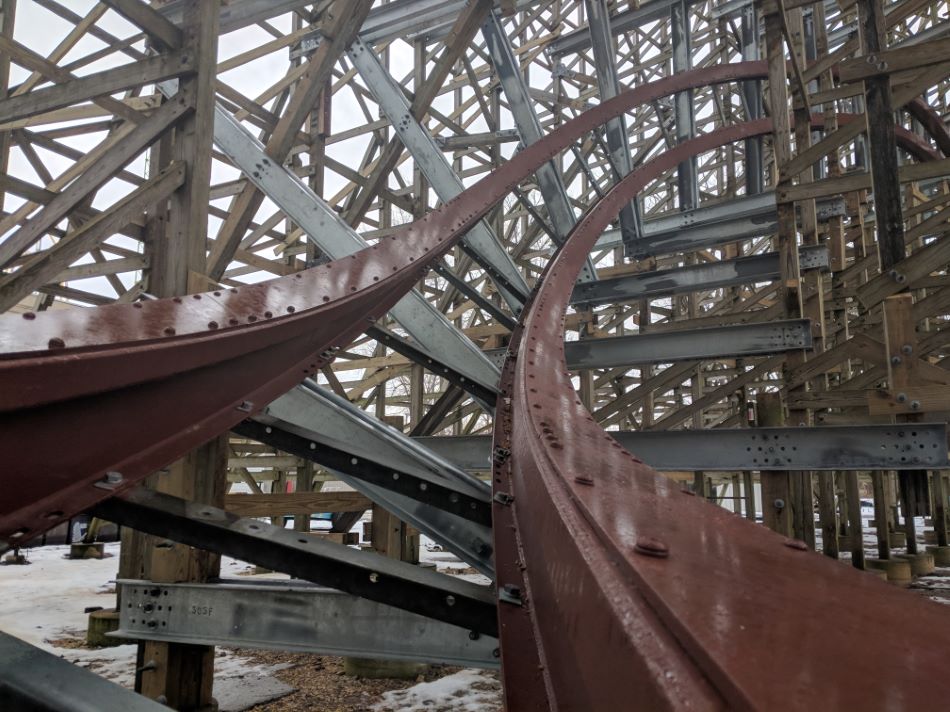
(294, 615)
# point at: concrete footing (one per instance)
(941, 555)
(898, 570)
(96, 550)
(367, 667)
(920, 564)
(15, 560)
(100, 623)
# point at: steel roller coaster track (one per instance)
(616, 590)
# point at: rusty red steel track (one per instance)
(92, 401)
(633, 595)
(619, 591)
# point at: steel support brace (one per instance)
(297, 616)
(325, 228)
(580, 39)
(712, 225)
(434, 493)
(865, 447)
(695, 278)
(327, 420)
(685, 124)
(480, 242)
(361, 573)
(718, 342)
(32, 680)
(609, 85)
(553, 192)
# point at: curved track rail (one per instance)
(617, 590)
(92, 401)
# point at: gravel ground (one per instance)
(322, 686)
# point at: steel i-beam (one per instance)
(297, 616)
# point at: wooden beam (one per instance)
(163, 32)
(899, 59)
(45, 266)
(110, 81)
(284, 503)
(97, 174)
(339, 32)
(25, 57)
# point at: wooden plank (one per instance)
(339, 32)
(156, 26)
(909, 399)
(31, 60)
(110, 81)
(97, 174)
(894, 60)
(285, 503)
(45, 266)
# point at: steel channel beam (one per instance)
(685, 121)
(32, 680)
(579, 40)
(694, 278)
(426, 490)
(560, 213)
(752, 95)
(330, 421)
(865, 447)
(480, 242)
(325, 228)
(236, 13)
(718, 342)
(360, 573)
(293, 616)
(609, 85)
(708, 226)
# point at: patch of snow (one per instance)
(465, 691)
(45, 601)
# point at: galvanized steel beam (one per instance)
(717, 342)
(294, 616)
(326, 229)
(361, 573)
(694, 278)
(560, 213)
(609, 85)
(864, 447)
(327, 420)
(480, 242)
(32, 680)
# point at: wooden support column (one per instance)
(7, 20)
(180, 675)
(855, 525)
(776, 486)
(940, 507)
(787, 487)
(881, 139)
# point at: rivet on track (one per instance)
(650, 546)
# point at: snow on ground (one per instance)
(465, 691)
(45, 601)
